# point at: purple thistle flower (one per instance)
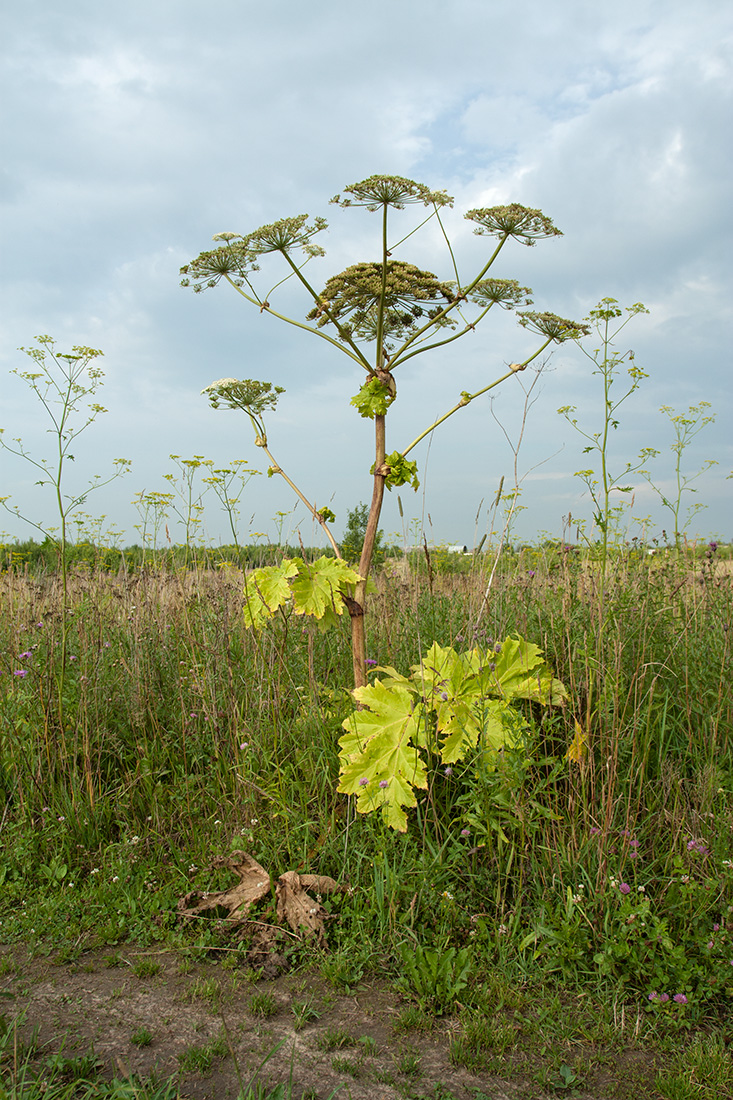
(680, 998)
(383, 783)
(369, 661)
(625, 888)
(364, 782)
(25, 656)
(664, 997)
(21, 672)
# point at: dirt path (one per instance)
(204, 1019)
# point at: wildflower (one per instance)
(62, 818)
(624, 888)
(641, 889)
(653, 996)
(21, 672)
(465, 832)
(25, 656)
(716, 928)
(634, 843)
(364, 782)
(369, 661)
(115, 878)
(94, 871)
(664, 997)
(594, 831)
(383, 783)
(444, 696)
(217, 822)
(134, 840)
(244, 745)
(711, 945)
(502, 930)
(680, 999)
(448, 771)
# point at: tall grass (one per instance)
(185, 734)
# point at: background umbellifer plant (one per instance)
(380, 314)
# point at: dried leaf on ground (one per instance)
(254, 885)
(303, 912)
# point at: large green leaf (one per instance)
(380, 757)
(320, 586)
(265, 590)
(452, 705)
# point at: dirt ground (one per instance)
(89, 1005)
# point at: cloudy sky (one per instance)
(133, 133)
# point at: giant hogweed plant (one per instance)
(379, 314)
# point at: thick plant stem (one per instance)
(358, 606)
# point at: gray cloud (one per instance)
(134, 133)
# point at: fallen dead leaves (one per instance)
(298, 897)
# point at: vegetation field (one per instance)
(557, 917)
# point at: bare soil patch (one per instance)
(103, 1002)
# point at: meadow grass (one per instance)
(184, 736)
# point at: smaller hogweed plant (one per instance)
(685, 427)
(63, 382)
(607, 321)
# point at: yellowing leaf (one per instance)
(578, 748)
(381, 762)
(265, 590)
(321, 585)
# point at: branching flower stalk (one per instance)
(608, 363)
(685, 427)
(62, 382)
(400, 309)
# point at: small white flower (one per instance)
(115, 878)
(135, 840)
(220, 384)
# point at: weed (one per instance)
(263, 1004)
(145, 968)
(346, 1065)
(199, 1059)
(334, 1038)
(409, 1064)
(436, 977)
(304, 1012)
(205, 989)
(142, 1037)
